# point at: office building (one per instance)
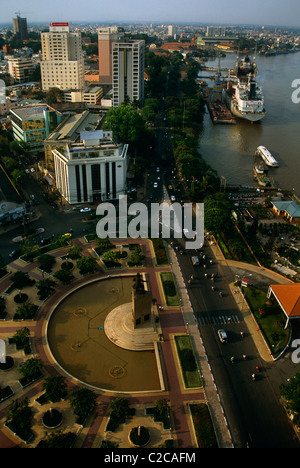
(128, 71)
(215, 31)
(62, 64)
(92, 168)
(33, 124)
(20, 28)
(106, 38)
(20, 68)
(68, 131)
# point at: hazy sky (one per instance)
(264, 12)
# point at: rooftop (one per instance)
(290, 207)
(288, 296)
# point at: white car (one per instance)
(222, 336)
(157, 169)
(173, 198)
(85, 210)
(32, 169)
(27, 171)
(155, 185)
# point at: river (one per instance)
(229, 149)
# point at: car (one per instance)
(85, 210)
(157, 169)
(67, 235)
(195, 261)
(173, 198)
(170, 187)
(222, 336)
(155, 185)
(15, 253)
(32, 169)
(27, 171)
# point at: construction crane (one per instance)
(18, 13)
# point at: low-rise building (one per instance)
(68, 131)
(12, 206)
(93, 168)
(33, 124)
(20, 68)
(288, 209)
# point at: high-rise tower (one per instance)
(106, 38)
(128, 61)
(20, 28)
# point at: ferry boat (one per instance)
(267, 157)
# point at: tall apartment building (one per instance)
(20, 68)
(20, 28)
(62, 64)
(106, 38)
(128, 62)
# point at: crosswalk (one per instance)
(205, 319)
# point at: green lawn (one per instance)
(169, 287)
(188, 363)
(271, 322)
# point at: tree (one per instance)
(21, 280)
(46, 262)
(54, 95)
(45, 288)
(55, 387)
(64, 275)
(87, 265)
(125, 123)
(75, 252)
(21, 337)
(31, 368)
(83, 402)
(291, 392)
(26, 311)
(19, 417)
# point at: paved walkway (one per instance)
(90, 436)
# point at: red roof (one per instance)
(288, 295)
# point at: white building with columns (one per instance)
(92, 168)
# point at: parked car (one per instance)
(155, 185)
(85, 210)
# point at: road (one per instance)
(252, 408)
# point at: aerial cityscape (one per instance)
(150, 227)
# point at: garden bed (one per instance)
(169, 287)
(203, 426)
(187, 361)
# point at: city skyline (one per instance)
(269, 12)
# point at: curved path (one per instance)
(171, 321)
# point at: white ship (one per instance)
(242, 94)
(265, 154)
